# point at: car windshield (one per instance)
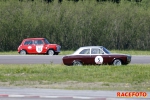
(106, 50)
(46, 41)
(76, 51)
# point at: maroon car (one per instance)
(95, 55)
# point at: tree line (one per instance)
(121, 26)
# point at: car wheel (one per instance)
(117, 62)
(77, 63)
(23, 52)
(50, 52)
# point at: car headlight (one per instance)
(58, 48)
(128, 58)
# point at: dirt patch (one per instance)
(78, 85)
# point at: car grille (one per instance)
(128, 58)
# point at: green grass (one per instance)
(130, 77)
(9, 53)
(131, 52)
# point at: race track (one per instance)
(57, 59)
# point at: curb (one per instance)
(67, 97)
(51, 97)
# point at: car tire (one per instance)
(50, 52)
(77, 63)
(117, 62)
(23, 52)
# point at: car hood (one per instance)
(52, 44)
(119, 54)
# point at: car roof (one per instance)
(33, 38)
(86, 47)
(91, 46)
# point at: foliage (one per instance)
(116, 26)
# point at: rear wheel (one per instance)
(50, 52)
(117, 62)
(23, 52)
(77, 63)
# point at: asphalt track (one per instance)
(57, 59)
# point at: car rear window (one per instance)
(85, 51)
(28, 42)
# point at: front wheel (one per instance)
(50, 52)
(117, 62)
(77, 63)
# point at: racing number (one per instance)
(98, 59)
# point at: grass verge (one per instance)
(129, 77)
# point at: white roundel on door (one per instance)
(39, 49)
(98, 59)
(29, 47)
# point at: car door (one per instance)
(38, 46)
(98, 56)
(84, 56)
(28, 44)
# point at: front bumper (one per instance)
(129, 58)
(58, 48)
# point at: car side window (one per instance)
(38, 42)
(85, 51)
(96, 51)
(28, 42)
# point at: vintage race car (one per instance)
(95, 55)
(38, 46)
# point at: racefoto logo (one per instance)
(132, 94)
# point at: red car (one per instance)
(95, 55)
(38, 46)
